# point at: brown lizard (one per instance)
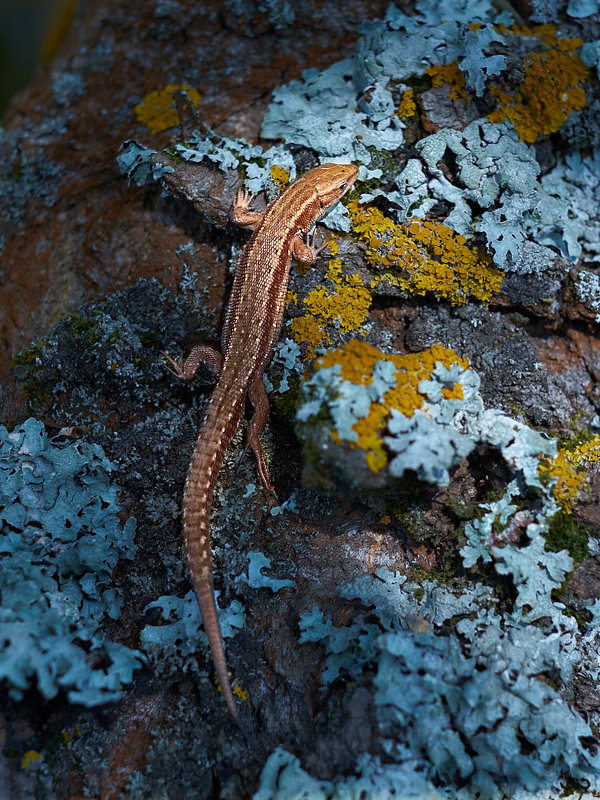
(251, 329)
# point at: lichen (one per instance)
(407, 107)
(587, 288)
(452, 76)
(178, 633)
(423, 256)
(569, 471)
(254, 164)
(375, 384)
(345, 303)
(61, 539)
(424, 409)
(29, 758)
(467, 687)
(158, 111)
(551, 87)
(280, 176)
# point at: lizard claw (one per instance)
(243, 199)
(310, 241)
(174, 365)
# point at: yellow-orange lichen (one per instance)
(551, 86)
(291, 298)
(29, 758)
(569, 469)
(451, 75)
(357, 360)
(157, 111)
(550, 90)
(424, 256)
(407, 107)
(345, 301)
(280, 176)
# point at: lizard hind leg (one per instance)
(257, 394)
(185, 369)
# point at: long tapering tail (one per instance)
(222, 417)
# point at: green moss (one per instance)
(462, 509)
(29, 356)
(582, 617)
(409, 519)
(442, 577)
(77, 326)
(564, 533)
(27, 366)
(575, 439)
(419, 594)
(419, 83)
(284, 405)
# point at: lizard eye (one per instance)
(343, 187)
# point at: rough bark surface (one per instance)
(79, 240)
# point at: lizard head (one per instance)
(332, 181)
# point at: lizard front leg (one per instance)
(242, 214)
(305, 251)
(185, 369)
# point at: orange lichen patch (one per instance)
(306, 330)
(29, 758)
(569, 469)
(346, 304)
(425, 256)
(333, 247)
(157, 110)
(235, 688)
(451, 75)
(550, 89)
(456, 393)
(357, 361)
(280, 176)
(291, 298)
(69, 734)
(407, 107)
(239, 692)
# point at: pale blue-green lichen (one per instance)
(231, 153)
(256, 579)
(590, 55)
(587, 288)
(430, 440)
(497, 191)
(287, 360)
(60, 541)
(135, 161)
(283, 778)
(179, 632)
(26, 172)
(464, 665)
(67, 88)
(549, 10)
(502, 684)
(356, 108)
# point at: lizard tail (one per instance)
(208, 454)
(206, 600)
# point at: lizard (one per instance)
(251, 329)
